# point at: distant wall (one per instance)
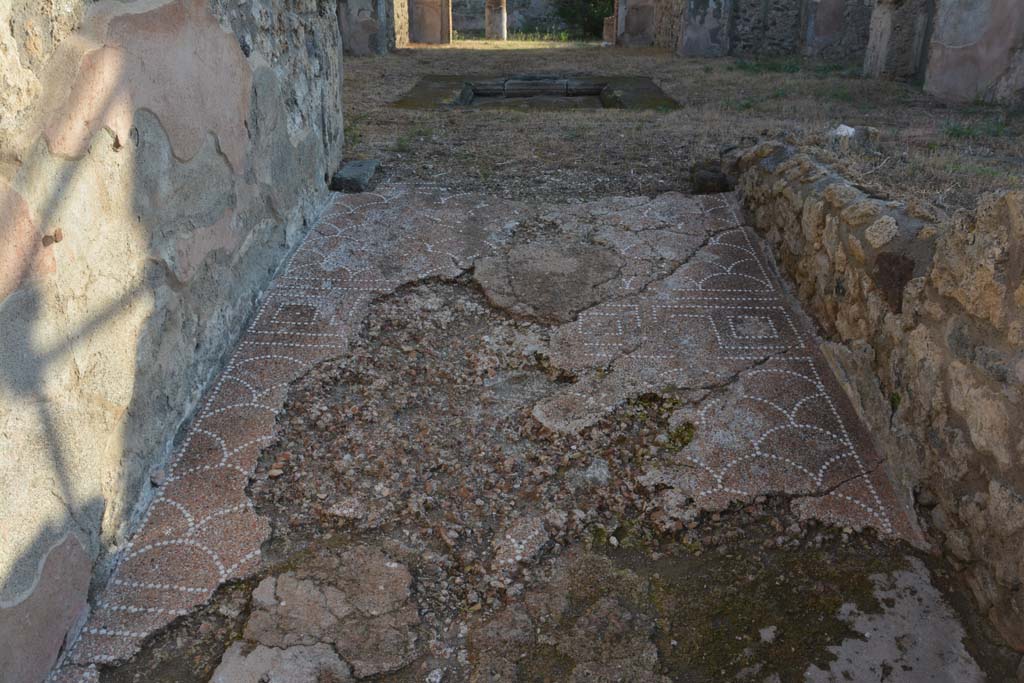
(977, 51)
(761, 27)
(430, 21)
(829, 29)
(837, 29)
(636, 23)
(158, 159)
(468, 15)
(963, 50)
(364, 27)
(705, 28)
(898, 45)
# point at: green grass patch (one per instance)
(837, 93)
(826, 69)
(979, 170)
(768, 65)
(994, 127)
(745, 104)
(792, 65)
(353, 131)
(549, 36)
(404, 144)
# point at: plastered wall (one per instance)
(158, 159)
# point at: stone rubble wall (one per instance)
(828, 29)
(898, 44)
(761, 27)
(926, 317)
(668, 15)
(158, 160)
(837, 30)
(523, 15)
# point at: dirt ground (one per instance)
(942, 154)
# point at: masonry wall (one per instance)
(899, 36)
(668, 15)
(364, 27)
(765, 28)
(837, 29)
(926, 315)
(634, 23)
(430, 21)
(705, 28)
(158, 159)
(977, 51)
(963, 50)
(468, 15)
(829, 29)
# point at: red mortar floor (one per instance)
(722, 308)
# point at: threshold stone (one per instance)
(355, 176)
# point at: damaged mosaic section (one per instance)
(426, 527)
(449, 403)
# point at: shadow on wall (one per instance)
(140, 217)
(45, 389)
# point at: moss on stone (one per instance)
(711, 610)
(681, 436)
(546, 664)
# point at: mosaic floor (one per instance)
(784, 426)
(692, 302)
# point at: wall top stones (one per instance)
(928, 313)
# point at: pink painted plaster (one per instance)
(22, 256)
(35, 628)
(175, 61)
(193, 250)
(972, 49)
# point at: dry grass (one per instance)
(929, 151)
